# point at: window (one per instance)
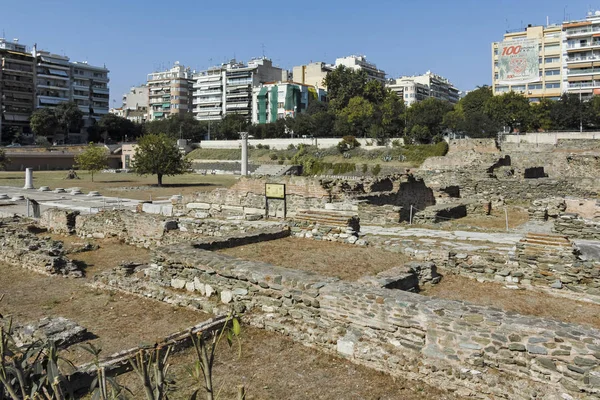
(552, 47)
(495, 63)
(552, 85)
(501, 89)
(495, 52)
(496, 75)
(550, 72)
(535, 86)
(550, 60)
(406, 95)
(518, 88)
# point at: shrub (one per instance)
(365, 168)
(376, 169)
(266, 147)
(396, 143)
(291, 147)
(273, 156)
(280, 162)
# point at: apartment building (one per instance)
(90, 90)
(413, 89)
(273, 101)
(581, 52)
(17, 86)
(530, 61)
(312, 74)
(135, 104)
(227, 89)
(169, 92)
(53, 79)
(359, 63)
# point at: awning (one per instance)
(579, 78)
(58, 72)
(158, 114)
(166, 105)
(576, 24)
(50, 101)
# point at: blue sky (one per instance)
(404, 37)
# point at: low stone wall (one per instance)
(473, 350)
(542, 209)
(575, 227)
(22, 248)
(59, 221)
(147, 230)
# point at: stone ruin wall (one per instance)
(478, 351)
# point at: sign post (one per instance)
(275, 191)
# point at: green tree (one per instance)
(476, 123)
(179, 126)
(70, 118)
(570, 112)
(356, 118)
(158, 155)
(118, 129)
(509, 109)
(43, 122)
(92, 159)
(389, 117)
(344, 84)
(541, 115)
(4, 161)
(428, 114)
(231, 125)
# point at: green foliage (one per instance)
(4, 161)
(92, 159)
(273, 156)
(158, 155)
(69, 116)
(151, 366)
(44, 122)
(348, 142)
(509, 109)
(344, 84)
(119, 129)
(425, 119)
(376, 169)
(365, 168)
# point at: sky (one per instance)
(132, 38)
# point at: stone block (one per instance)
(190, 287)
(178, 283)
(198, 206)
(226, 296)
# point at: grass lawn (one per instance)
(126, 185)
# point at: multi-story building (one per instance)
(135, 104)
(530, 61)
(408, 89)
(420, 87)
(17, 86)
(273, 101)
(359, 63)
(581, 56)
(312, 74)
(53, 79)
(169, 92)
(228, 89)
(90, 90)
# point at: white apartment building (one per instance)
(360, 62)
(53, 79)
(581, 56)
(420, 87)
(227, 89)
(169, 92)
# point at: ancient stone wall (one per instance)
(476, 145)
(59, 221)
(477, 351)
(22, 248)
(576, 227)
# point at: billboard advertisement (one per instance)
(518, 61)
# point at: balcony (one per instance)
(239, 82)
(207, 101)
(583, 71)
(100, 90)
(584, 85)
(577, 46)
(64, 78)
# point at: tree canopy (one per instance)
(158, 154)
(64, 118)
(92, 159)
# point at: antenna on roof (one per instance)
(263, 49)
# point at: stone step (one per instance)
(546, 243)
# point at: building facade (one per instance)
(169, 92)
(135, 104)
(360, 63)
(312, 74)
(34, 79)
(273, 101)
(227, 89)
(547, 54)
(90, 90)
(581, 56)
(17, 87)
(413, 89)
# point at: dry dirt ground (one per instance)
(495, 222)
(270, 367)
(346, 261)
(128, 185)
(527, 302)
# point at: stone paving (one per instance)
(13, 201)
